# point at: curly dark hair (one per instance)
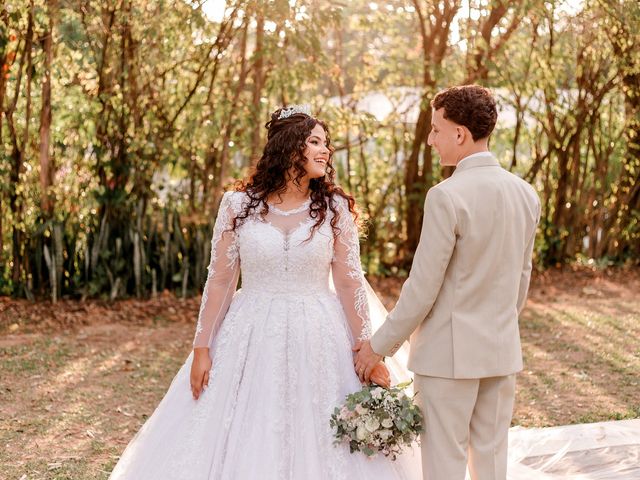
(284, 151)
(471, 106)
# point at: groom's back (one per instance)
(476, 311)
(496, 215)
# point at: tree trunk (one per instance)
(434, 23)
(490, 44)
(258, 83)
(516, 135)
(46, 167)
(414, 188)
(17, 156)
(4, 19)
(623, 39)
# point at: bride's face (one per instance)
(316, 153)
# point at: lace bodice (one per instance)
(276, 256)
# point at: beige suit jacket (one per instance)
(470, 276)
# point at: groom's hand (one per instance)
(365, 360)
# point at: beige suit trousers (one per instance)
(466, 421)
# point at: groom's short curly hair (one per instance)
(471, 106)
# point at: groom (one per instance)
(460, 304)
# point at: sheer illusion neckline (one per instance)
(293, 211)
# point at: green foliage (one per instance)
(157, 107)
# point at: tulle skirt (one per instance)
(281, 364)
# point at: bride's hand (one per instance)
(380, 375)
(200, 367)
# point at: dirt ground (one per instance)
(78, 379)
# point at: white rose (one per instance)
(387, 423)
(372, 424)
(376, 393)
(361, 410)
(361, 433)
(385, 434)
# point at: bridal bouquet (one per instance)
(376, 419)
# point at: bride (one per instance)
(272, 360)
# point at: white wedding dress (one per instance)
(282, 359)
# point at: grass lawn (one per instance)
(78, 379)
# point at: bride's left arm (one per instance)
(347, 274)
(350, 286)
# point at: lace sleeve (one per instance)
(222, 276)
(348, 278)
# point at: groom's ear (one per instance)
(461, 134)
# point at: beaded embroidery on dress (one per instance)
(282, 360)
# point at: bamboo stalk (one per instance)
(154, 289)
(51, 265)
(136, 263)
(185, 276)
(59, 258)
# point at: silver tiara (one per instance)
(292, 109)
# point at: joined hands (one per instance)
(369, 366)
